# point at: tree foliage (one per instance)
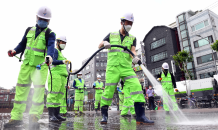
(214, 46)
(181, 59)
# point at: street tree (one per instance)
(214, 46)
(181, 59)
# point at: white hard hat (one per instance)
(128, 16)
(99, 76)
(165, 65)
(62, 38)
(80, 72)
(44, 12)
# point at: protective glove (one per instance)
(107, 45)
(159, 79)
(50, 59)
(122, 92)
(66, 61)
(135, 60)
(11, 53)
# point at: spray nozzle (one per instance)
(38, 67)
(47, 60)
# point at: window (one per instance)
(97, 64)
(200, 25)
(158, 43)
(159, 56)
(155, 71)
(92, 75)
(1, 95)
(181, 18)
(182, 27)
(203, 41)
(185, 43)
(102, 74)
(87, 67)
(189, 65)
(105, 54)
(105, 64)
(102, 54)
(184, 34)
(97, 57)
(92, 65)
(205, 58)
(97, 73)
(188, 49)
(207, 75)
(102, 64)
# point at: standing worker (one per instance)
(128, 103)
(119, 66)
(79, 85)
(37, 44)
(168, 84)
(121, 95)
(99, 88)
(57, 88)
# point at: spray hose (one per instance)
(125, 48)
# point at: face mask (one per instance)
(150, 88)
(99, 79)
(79, 77)
(62, 46)
(42, 23)
(127, 27)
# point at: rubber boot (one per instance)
(13, 123)
(52, 118)
(140, 114)
(104, 112)
(96, 110)
(57, 114)
(33, 122)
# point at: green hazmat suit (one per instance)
(121, 97)
(128, 102)
(79, 94)
(57, 92)
(98, 92)
(119, 64)
(33, 55)
(168, 92)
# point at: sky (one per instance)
(85, 23)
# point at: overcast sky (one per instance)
(85, 23)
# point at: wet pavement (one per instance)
(197, 119)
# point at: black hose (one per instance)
(68, 82)
(94, 55)
(51, 77)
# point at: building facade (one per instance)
(197, 31)
(97, 66)
(160, 44)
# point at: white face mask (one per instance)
(99, 79)
(150, 88)
(62, 46)
(127, 27)
(79, 77)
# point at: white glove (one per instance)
(50, 59)
(107, 45)
(135, 60)
(66, 61)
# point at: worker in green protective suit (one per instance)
(121, 95)
(56, 86)
(119, 66)
(168, 84)
(79, 85)
(37, 45)
(128, 103)
(99, 88)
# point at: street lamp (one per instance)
(212, 52)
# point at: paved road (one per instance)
(202, 119)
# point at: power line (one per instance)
(210, 5)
